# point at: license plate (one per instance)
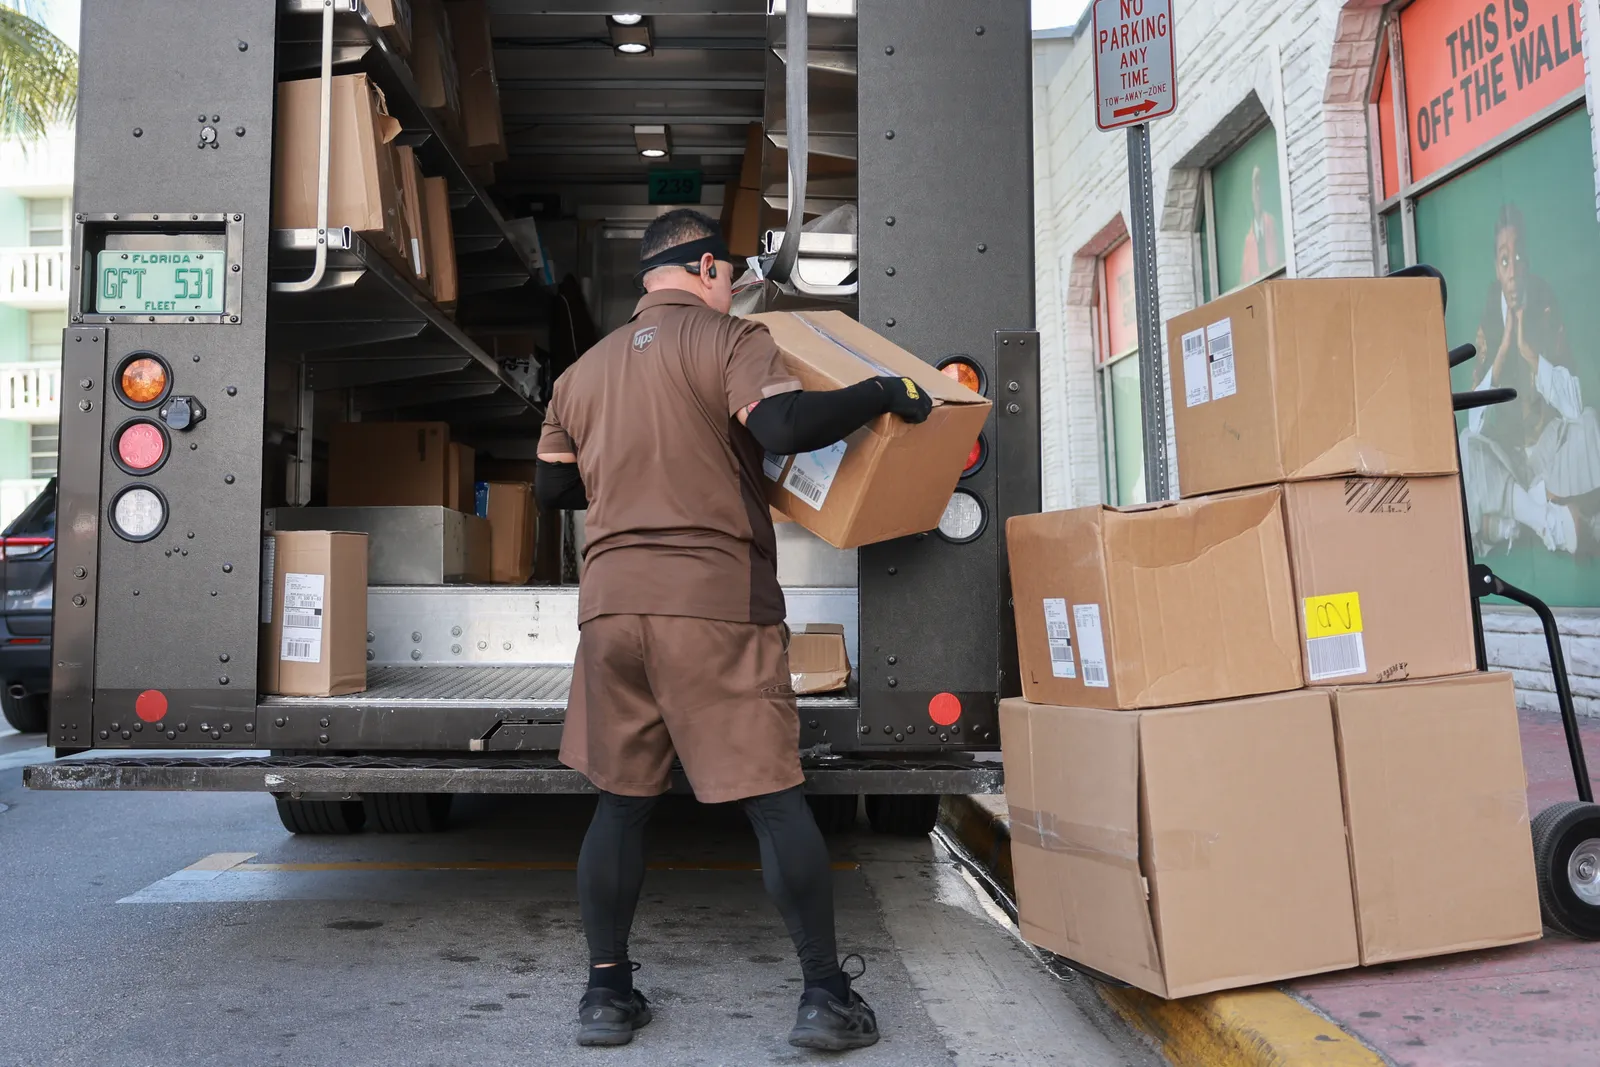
(160, 282)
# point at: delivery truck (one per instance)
(295, 215)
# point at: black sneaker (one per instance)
(606, 1017)
(826, 1022)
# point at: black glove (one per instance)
(903, 397)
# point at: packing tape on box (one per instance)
(1184, 850)
(826, 336)
(1042, 830)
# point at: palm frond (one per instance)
(38, 76)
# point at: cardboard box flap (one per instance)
(847, 352)
(1188, 529)
(1076, 822)
(818, 662)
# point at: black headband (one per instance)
(688, 252)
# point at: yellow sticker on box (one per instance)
(1333, 614)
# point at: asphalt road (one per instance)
(167, 929)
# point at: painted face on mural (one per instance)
(1509, 264)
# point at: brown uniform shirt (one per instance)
(677, 523)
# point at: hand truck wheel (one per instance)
(1566, 854)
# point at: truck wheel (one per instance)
(1566, 855)
(321, 816)
(835, 812)
(409, 813)
(27, 715)
(905, 815)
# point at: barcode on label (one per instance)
(1336, 657)
(1219, 343)
(297, 650)
(1196, 386)
(302, 622)
(1059, 638)
(1094, 674)
(803, 487)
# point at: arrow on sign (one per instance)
(1137, 109)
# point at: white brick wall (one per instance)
(1307, 63)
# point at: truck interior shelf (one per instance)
(368, 329)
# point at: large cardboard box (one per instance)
(1380, 574)
(483, 128)
(412, 212)
(314, 623)
(512, 518)
(389, 464)
(440, 229)
(889, 478)
(1155, 605)
(364, 186)
(393, 17)
(1287, 380)
(462, 479)
(1182, 850)
(433, 62)
(818, 659)
(1432, 773)
(742, 202)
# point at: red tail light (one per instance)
(18, 545)
(141, 446)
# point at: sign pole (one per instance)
(1152, 369)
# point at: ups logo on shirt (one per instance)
(642, 339)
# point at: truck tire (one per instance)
(835, 812)
(1566, 858)
(408, 813)
(903, 815)
(321, 816)
(27, 715)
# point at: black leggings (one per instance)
(794, 865)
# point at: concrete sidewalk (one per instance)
(1528, 1004)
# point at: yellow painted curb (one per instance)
(1259, 1027)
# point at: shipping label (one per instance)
(772, 465)
(302, 618)
(812, 473)
(1196, 387)
(269, 564)
(1335, 647)
(1091, 645)
(1219, 348)
(1059, 635)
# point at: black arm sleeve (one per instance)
(806, 421)
(559, 487)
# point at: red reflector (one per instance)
(151, 705)
(945, 709)
(973, 456)
(25, 641)
(141, 446)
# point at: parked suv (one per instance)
(27, 574)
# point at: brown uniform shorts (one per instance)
(715, 693)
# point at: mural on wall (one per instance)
(1517, 239)
(1247, 201)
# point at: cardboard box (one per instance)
(393, 17)
(363, 174)
(1155, 605)
(1380, 575)
(1182, 850)
(412, 212)
(462, 479)
(433, 62)
(314, 624)
(483, 128)
(818, 661)
(441, 242)
(512, 517)
(389, 464)
(1432, 772)
(889, 478)
(479, 534)
(742, 202)
(1288, 380)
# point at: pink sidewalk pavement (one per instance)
(1533, 1005)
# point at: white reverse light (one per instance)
(138, 513)
(963, 517)
(627, 20)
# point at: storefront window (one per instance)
(1394, 242)
(1244, 200)
(1518, 242)
(1119, 377)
